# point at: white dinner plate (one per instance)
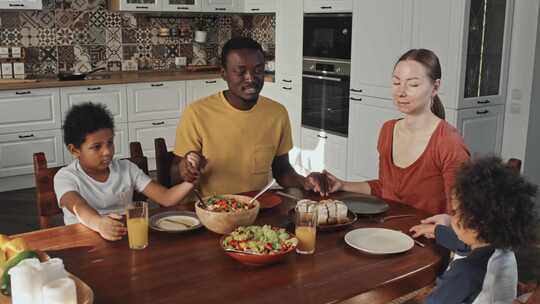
(379, 240)
(175, 221)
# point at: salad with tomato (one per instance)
(260, 240)
(220, 203)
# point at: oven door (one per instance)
(327, 36)
(325, 103)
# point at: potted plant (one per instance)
(201, 28)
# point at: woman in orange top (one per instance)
(420, 153)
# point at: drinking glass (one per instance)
(137, 224)
(306, 228)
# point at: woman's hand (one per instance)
(110, 228)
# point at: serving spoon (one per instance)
(270, 184)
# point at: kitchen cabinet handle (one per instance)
(211, 81)
(156, 85)
(16, 5)
(142, 7)
(356, 90)
(287, 88)
(326, 7)
(287, 80)
(220, 9)
(322, 77)
(323, 137)
(255, 9)
(26, 136)
(23, 93)
(356, 99)
(182, 8)
(482, 112)
(158, 123)
(482, 101)
(94, 89)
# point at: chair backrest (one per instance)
(47, 202)
(514, 163)
(164, 163)
(501, 279)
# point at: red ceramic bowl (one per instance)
(267, 199)
(256, 259)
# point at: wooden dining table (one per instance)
(193, 268)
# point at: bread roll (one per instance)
(329, 212)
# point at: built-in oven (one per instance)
(328, 36)
(325, 95)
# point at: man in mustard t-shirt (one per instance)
(243, 136)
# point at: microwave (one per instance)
(328, 36)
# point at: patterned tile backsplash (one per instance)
(80, 35)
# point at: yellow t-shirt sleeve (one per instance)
(187, 135)
(285, 143)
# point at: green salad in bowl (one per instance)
(258, 245)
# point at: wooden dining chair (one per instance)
(514, 163)
(49, 213)
(165, 161)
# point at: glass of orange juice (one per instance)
(306, 228)
(137, 224)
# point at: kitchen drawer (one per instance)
(112, 96)
(157, 100)
(146, 131)
(28, 110)
(121, 143)
(197, 89)
(17, 149)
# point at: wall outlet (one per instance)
(180, 61)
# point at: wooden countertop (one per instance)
(116, 78)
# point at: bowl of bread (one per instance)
(331, 214)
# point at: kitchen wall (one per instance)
(81, 35)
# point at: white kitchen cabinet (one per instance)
(21, 4)
(289, 41)
(259, 6)
(321, 150)
(197, 89)
(135, 5)
(431, 18)
(112, 96)
(156, 100)
(365, 123)
(121, 143)
(29, 110)
(381, 33)
(146, 131)
(17, 150)
(181, 5)
(221, 6)
(481, 128)
(327, 6)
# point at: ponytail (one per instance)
(437, 107)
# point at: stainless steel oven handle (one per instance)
(322, 77)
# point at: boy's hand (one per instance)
(439, 219)
(110, 228)
(427, 230)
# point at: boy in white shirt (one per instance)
(94, 188)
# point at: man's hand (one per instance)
(110, 228)
(323, 183)
(191, 166)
